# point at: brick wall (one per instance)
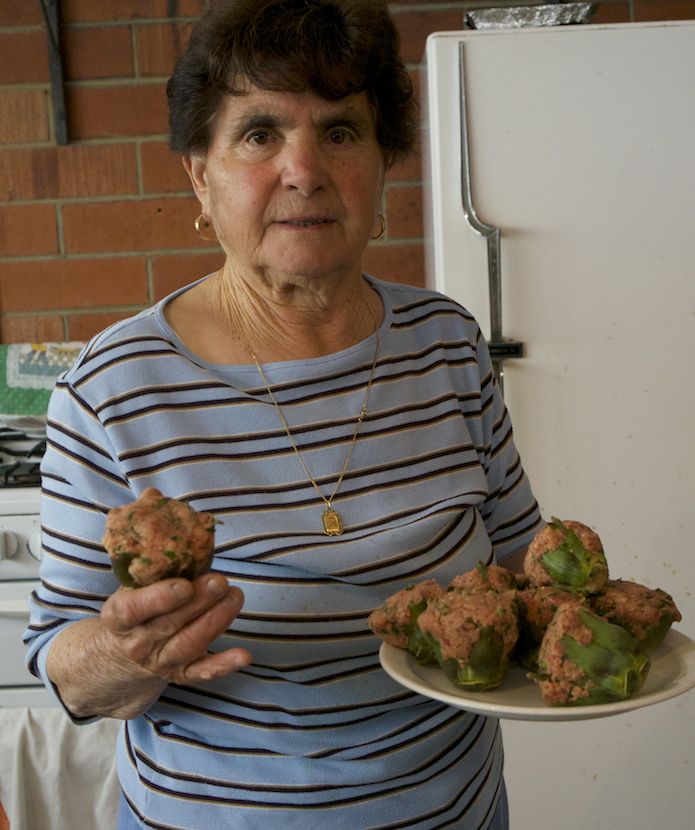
(97, 229)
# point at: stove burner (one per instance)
(20, 474)
(20, 457)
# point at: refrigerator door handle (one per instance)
(500, 348)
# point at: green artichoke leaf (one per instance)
(418, 644)
(612, 660)
(595, 696)
(120, 564)
(485, 667)
(571, 564)
(607, 634)
(421, 648)
(655, 635)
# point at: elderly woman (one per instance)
(347, 434)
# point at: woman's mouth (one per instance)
(305, 223)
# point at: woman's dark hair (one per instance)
(333, 48)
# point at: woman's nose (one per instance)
(303, 167)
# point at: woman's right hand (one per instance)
(117, 665)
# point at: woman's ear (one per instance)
(195, 166)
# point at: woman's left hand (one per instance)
(119, 663)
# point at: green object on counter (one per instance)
(28, 372)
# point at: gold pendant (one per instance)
(332, 523)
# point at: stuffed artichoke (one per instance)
(585, 659)
(156, 537)
(394, 622)
(472, 635)
(647, 613)
(537, 607)
(485, 578)
(568, 554)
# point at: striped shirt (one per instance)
(313, 734)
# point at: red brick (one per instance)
(85, 326)
(33, 328)
(175, 271)
(408, 170)
(98, 52)
(159, 45)
(399, 262)
(415, 26)
(147, 225)
(611, 12)
(28, 230)
(416, 80)
(404, 212)
(663, 10)
(72, 283)
(76, 170)
(162, 171)
(23, 116)
(24, 58)
(20, 13)
(122, 110)
(81, 11)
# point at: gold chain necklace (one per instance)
(332, 521)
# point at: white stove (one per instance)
(20, 554)
(37, 741)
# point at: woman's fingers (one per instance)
(128, 608)
(213, 666)
(191, 641)
(167, 627)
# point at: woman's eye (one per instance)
(339, 135)
(258, 137)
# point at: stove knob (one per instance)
(9, 544)
(34, 545)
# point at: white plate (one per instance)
(672, 673)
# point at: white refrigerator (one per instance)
(560, 210)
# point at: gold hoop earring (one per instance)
(203, 223)
(382, 229)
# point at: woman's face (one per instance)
(292, 183)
